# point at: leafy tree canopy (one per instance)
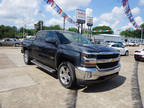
(102, 28)
(73, 29)
(134, 33)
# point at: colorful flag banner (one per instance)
(99, 31)
(60, 11)
(127, 10)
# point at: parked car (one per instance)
(120, 47)
(72, 57)
(139, 55)
(10, 42)
(131, 44)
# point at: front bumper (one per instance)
(93, 74)
(138, 57)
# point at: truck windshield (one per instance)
(66, 38)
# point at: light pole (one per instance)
(141, 34)
(23, 28)
(64, 24)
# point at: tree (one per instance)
(73, 29)
(13, 32)
(102, 28)
(7, 31)
(55, 27)
(134, 33)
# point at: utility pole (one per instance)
(64, 24)
(23, 27)
(141, 34)
(81, 28)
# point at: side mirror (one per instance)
(52, 41)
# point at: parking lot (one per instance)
(23, 86)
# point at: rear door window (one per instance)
(50, 35)
(40, 36)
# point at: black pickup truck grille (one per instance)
(107, 65)
(108, 56)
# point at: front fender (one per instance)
(68, 55)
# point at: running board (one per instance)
(43, 66)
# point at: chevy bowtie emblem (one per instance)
(113, 60)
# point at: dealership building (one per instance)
(103, 38)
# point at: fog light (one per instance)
(89, 74)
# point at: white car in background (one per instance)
(120, 47)
(139, 55)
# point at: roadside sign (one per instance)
(80, 16)
(90, 21)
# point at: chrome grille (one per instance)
(107, 65)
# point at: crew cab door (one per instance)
(49, 49)
(37, 46)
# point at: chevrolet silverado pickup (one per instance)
(74, 58)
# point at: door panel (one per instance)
(48, 53)
(49, 50)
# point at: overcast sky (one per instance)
(105, 12)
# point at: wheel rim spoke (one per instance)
(65, 75)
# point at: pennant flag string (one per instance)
(101, 31)
(127, 10)
(60, 11)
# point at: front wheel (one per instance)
(66, 75)
(27, 59)
(127, 53)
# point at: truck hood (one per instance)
(87, 48)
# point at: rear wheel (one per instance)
(16, 45)
(136, 59)
(66, 75)
(27, 59)
(127, 53)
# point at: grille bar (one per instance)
(108, 56)
(107, 65)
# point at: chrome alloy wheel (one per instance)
(65, 75)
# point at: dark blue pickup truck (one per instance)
(72, 57)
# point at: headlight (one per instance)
(89, 56)
(88, 59)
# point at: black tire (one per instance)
(136, 59)
(0, 44)
(127, 53)
(71, 80)
(27, 59)
(16, 45)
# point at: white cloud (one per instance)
(72, 4)
(95, 20)
(18, 12)
(50, 10)
(116, 18)
(112, 19)
(104, 23)
(139, 20)
(55, 21)
(127, 26)
(116, 14)
(135, 11)
(89, 12)
(142, 2)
